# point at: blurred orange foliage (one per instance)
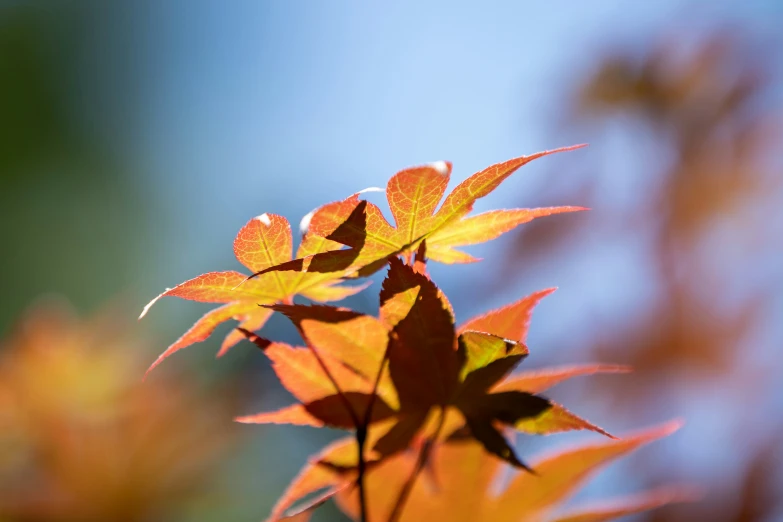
(701, 199)
(708, 113)
(82, 439)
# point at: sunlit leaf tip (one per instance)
(640, 502)
(259, 341)
(510, 321)
(149, 305)
(304, 223)
(154, 365)
(443, 167)
(264, 218)
(536, 381)
(371, 189)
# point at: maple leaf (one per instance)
(536, 381)
(344, 353)
(331, 393)
(461, 489)
(263, 242)
(423, 396)
(511, 322)
(413, 195)
(459, 483)
(264, 245)
(436, 383)
(429, 367)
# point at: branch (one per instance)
(424, 455)
(361, 430)
(361, 436)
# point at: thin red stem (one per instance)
(361, 432)
(421, 461)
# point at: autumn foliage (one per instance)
(431, 404)
(82, 439)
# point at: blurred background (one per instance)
(136, 139)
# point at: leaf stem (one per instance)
(361, 430)
(374, 393)
(361, 439)
(421, 461)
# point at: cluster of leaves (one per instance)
(410, 383)
(72, 411)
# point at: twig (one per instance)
(361, 431)
(361, 427)
(424, 455)
(361, 436)
(361, 439)
(374, 394)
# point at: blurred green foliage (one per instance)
(71, 211)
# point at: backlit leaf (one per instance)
(301, 373)
(263, 242)
(358, 340)
(481, 349)
(466, 474)
(510, 321)
(296, 415)
(251, 321)
(431, 404)
(423, 361)
(555, 419)
(481, 228)
(560, 475)
(620, 507)
(315, 477)
(332, 410)
(536, 381)
(413, 195)
(460, 201)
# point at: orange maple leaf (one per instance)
(431, 368)
(264, 245)
(460, 488)
(460, 477)
(263, 242)
(413, 195)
